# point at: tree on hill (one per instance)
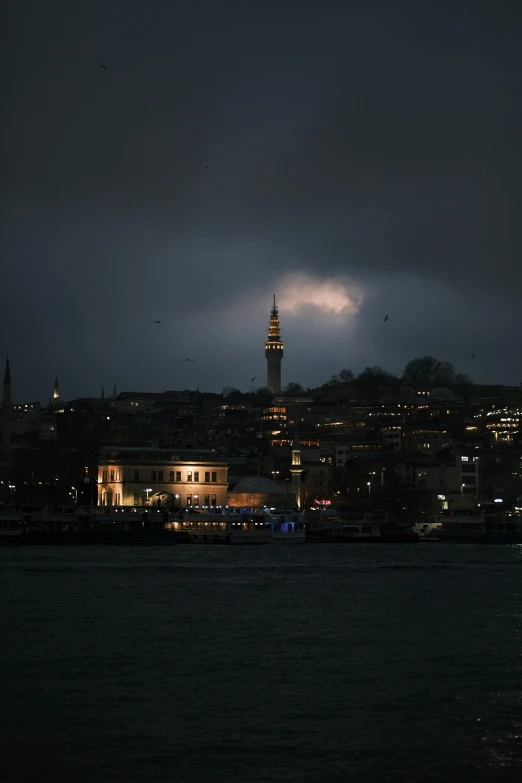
(231, 394)
(375, 373)
(343, 377)
(263, 396)
(293, 390)
(433, 372)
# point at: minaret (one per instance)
(56, 393)
(296, 470)
(274, 352)
(7, 411)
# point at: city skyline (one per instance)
(367, 166)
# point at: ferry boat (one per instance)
(204, 528)
(488, 528)
(344, 528)
(427, 527)
(57, 525)
(138, 525)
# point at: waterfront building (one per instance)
(274, 352)
(138, 476)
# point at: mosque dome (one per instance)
(257, 485)
(442, 393)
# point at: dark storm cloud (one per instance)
(227, 146)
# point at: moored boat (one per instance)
(488, 528)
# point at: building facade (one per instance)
(274, 347)
(134, 476)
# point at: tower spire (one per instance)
(7, 373)
(274, 347)
(56, 391)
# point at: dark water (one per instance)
(319, 663)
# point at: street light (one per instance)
(275, 473)
(369, 485)
(147, 491)
(75, 495)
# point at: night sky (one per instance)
(357, 158)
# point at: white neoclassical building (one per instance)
(138, 476)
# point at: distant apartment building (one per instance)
(287, 412)
(134, 476)
(469, 473)
(353, 449)
(25, 418)
(503, 424)
(392, 435)
(456, 486)
(426, 439)
(440, 479)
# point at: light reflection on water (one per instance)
(322, 663)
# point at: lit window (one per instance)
(189, 476)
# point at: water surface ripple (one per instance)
(243, 665)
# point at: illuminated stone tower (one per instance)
(274, 352)
(7, 411)
(56, 391)
(296, 469)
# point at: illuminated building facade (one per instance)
(134, 476)
(274, 352)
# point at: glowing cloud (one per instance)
(334, 297)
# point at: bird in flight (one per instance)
(190, 360)
(386, 318)
(156, 322)
(473, 355)
(253, 379)
(103, 66)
